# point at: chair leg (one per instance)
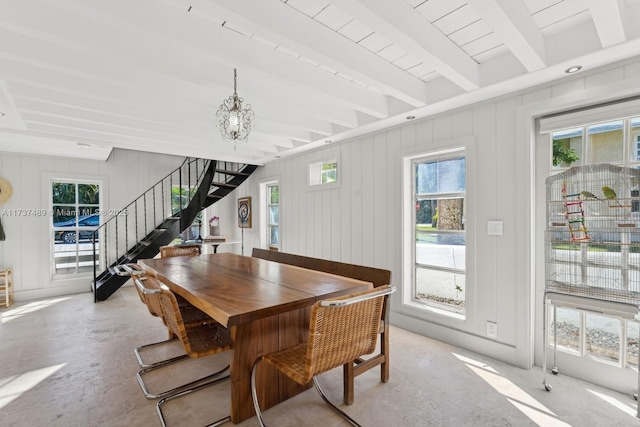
(384, 349)
(174, 390)
(332, 406)
(145, 365)
(348, 380)
(188, 391)
(256, 405)
(254, 394)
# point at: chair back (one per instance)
(180, 250)
(134, 270)
(161, 298)
(343, 329)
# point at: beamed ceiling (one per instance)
(81, 77)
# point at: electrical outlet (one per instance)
(492, 330)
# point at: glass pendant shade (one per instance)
(234, 121)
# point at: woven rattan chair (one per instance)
(199, 339)
(340, 330)
(190, 314)
(377, 276)
(180, 250)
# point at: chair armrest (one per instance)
(380, 291)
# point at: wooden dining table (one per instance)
(266, 306)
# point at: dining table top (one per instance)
(234, 289)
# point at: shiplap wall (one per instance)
(360, 221)
(125, 175)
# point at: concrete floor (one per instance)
(69, 362)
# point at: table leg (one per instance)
(250, 341)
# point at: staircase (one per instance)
(158, 216)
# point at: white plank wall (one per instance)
(125, 175)
(359, 221)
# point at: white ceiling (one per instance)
(150, 74)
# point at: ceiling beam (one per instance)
(398, 22)
(511, 21)
(608, 18)
(273, 20)
(170, 47)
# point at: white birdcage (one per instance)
(593, 233)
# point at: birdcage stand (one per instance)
(623, 310)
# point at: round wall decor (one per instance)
(5, 190)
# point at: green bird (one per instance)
(608, 192)
(589, 195)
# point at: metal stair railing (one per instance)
(132, 227)
(159, 215)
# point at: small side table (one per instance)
(6, 287)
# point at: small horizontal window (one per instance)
(324, 172)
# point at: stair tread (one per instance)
(108, 282)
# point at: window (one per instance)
(273, 216)
(440, 241)
(605, 339)
(325, 172)
(75, 216)
(606, 142)
(180, 198)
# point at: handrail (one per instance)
(155, 218)
(112, 239)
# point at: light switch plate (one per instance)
(494, 228)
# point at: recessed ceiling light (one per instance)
(83, 145)
(573, 69)
(411, 117)
(328, 141)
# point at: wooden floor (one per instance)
(69, 362)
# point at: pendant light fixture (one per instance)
(234, 121)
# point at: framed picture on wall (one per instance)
(244, 212)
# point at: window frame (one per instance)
(269, 224)
(314, 173)
(408, 304)
(78, 207)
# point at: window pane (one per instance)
(63, 192)
(273, 195)
(64, 253)
(567, 148)
(568, 332)
(329, 172)
(88, 194)
(440, 286)
(635, 139)
(274, 236)
(603, 338)
(605, 142)
(442, 176)
(441, 250)
(633, 335)
(89, 216)
(273, 214)
(64, 216)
